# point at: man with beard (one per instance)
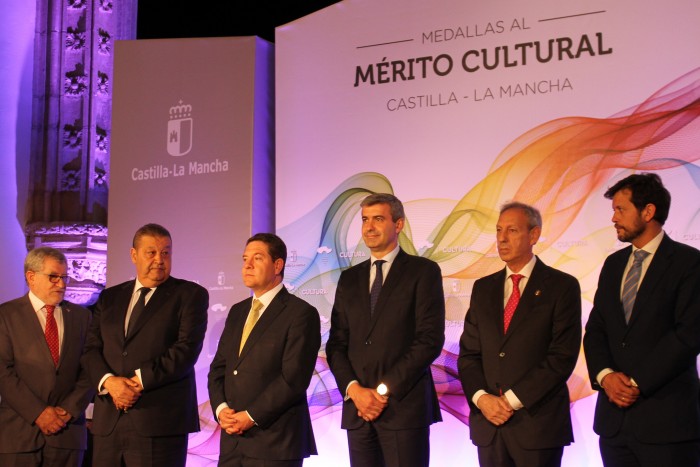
(643, 336)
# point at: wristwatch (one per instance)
(382, 389)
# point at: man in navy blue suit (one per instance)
(643, 336)
(387, 327)
(521, 339)
(263, 365)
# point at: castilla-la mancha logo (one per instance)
(180, 130)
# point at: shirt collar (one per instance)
(138, 285)
(652, 245)
(37, 304)
(526, 271)
(270, 295)
(389, 257)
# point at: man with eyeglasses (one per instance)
(43, 392)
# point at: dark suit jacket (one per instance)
(395, 346)
(164, 344)
(534, 359)
(29, 382)
(658, 348)
(270, 377)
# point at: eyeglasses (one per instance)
(54, 278)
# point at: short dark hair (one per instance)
(275, 246)
(534, 218)
(395, 206)
(34, 261)
(150, 230)
(646, 188)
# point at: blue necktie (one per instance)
(376, 285)
(629, 290)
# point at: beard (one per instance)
(629, 234)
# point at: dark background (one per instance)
(160, 19)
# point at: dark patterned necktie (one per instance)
(138, 309)
(376, 285)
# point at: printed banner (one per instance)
(190, 150)
(457, 107)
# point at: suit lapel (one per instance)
(154, 305)
(363, 283)
(391, 283)
(34, 332)
(660, 263)
(121, 307)
(268, 317)
(533, 291)
(496, 301)
(69, 329)
(361, 291)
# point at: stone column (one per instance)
(71, 123)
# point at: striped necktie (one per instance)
(629, 290)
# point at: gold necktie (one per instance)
(253, 317)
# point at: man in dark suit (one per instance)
(263, 366)
(643, 336)
(521, 339)
(387, 327)
(43, 392)
(144, 340)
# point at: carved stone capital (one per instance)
(85, 247)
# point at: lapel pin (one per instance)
(538, 293)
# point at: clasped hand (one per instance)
(370, 404)
(52, 420)
(234, 423)
(497, 410)
(124, 391)
(619, 389)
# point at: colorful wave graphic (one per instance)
(556, 166)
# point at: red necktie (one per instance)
(512, 302)
(52, 333)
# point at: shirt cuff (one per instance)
(251, 417)
(101, 391)
(477, 395)
(602, 374)
(346, 398)
(221, 407)
(513, 400)
(138, 375)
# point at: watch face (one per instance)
(382, 389)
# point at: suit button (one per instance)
(124, 354)
(368, 342)
(502, 354)
(624, 344)
(235, 372)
